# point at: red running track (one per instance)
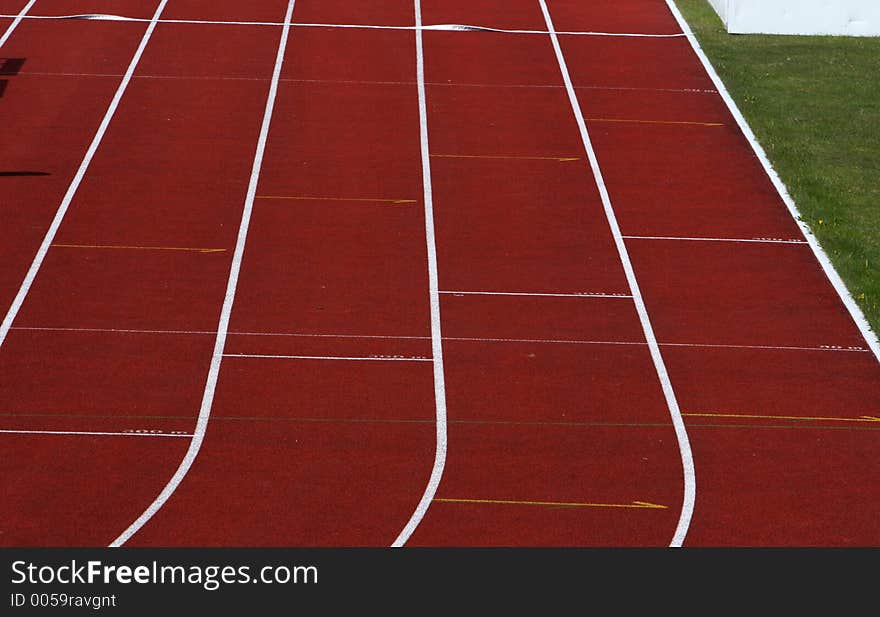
(342, 360)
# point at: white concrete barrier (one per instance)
(813, 17)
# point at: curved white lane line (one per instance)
(854, 310)
(49, 238)
(690, 487)
(21, 15)
(433, 283)
(223, 328)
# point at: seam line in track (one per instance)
(689, 496)
(534, 294)
(339, 358)
(229, 299)
(376, 82)
(861, 423)
(433, 282)
(745, 240)
(92, 433)
(821, 256)
(386, 337)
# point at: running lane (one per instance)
(12, 8)
(322, 431)
(57, 81)
(777, 385)
(558, 430)
(104, 367)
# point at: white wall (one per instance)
(720, 7)
(836, 17)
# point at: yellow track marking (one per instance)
(491, 156)
(654, 121)
(138, 248)
(556, 504)
(314, 198)
(800, 418)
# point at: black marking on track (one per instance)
(19, 174)
(11, 66)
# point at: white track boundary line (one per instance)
(854, 310)
(77, 180)
(687, 461)
(434, 291)
(226, 311)
(93, 433)
(15, 22)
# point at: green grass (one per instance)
(814, 105)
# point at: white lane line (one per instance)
(222, 330)
(94, 433)
(15, 22)
(849, 302)
(747, 240)
(690, 490)
(439, 27)
(349, 358)
(434, 292)
(77, 180)
(543, 295)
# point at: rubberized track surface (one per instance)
(447, 286)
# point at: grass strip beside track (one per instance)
(814, 104)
